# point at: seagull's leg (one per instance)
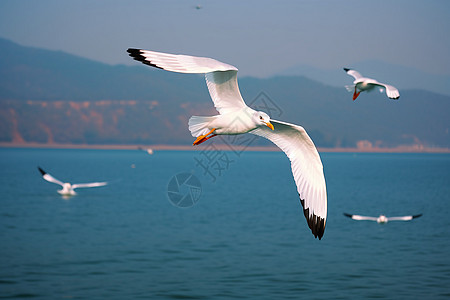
(355, 94)
(204, 137)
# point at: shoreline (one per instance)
(399, 149)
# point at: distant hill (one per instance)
(36, 74)
(51, 96)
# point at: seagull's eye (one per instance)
(260, 117)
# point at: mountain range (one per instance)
(54, 97)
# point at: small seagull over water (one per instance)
(67, 188)
(381, 218)
(235, 117)
(364, 84)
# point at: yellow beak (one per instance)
(270, 125)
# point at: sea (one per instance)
(216, 224)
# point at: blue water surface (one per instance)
(245, 238)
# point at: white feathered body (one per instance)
(367, 84)
(67, 190)
(237, 122)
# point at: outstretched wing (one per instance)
(49, 177)
(360, 218)
(404, 218)
(179, 63)
(353, 73)
(391, 91)
(307, 170)
(221, 78)
(224, 90)
(88, 185)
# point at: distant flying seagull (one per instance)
(382, 218)
(362, 84)
(148, 150)
(67, 188)
(235, 117)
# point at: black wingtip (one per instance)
(42, 171)
(346, 69)
(136, 54)
(315, 223)
(130, 50)
(348, 215)
(416, 216)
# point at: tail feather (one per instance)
(199, 125)
(350, 88)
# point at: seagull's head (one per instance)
(67, 186)
(262, 119)
(382, 219)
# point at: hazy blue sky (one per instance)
(258, 37)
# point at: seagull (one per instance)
(67, 188)
(382, 218)
(148, 150)
(235, 117)
(362, 84)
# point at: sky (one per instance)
(260, 38)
